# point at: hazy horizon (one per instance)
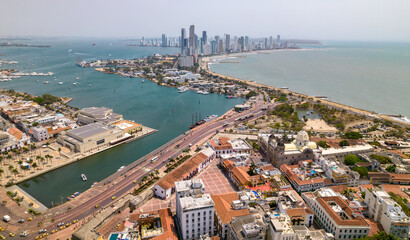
(325, 20)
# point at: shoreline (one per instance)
(78, 158)
(205, 61)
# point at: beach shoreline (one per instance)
(205, 61)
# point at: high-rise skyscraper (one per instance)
(227, 42)
(246, 42)
(204, 37)
(270, 42)
(182, 40)
(192, 37)
(241, 43)
(164, 41)
(278, 38)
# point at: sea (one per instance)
(368, 75)
(157, 107)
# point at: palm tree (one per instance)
(156, 172)
(151, 174)
(38, 157)
(1, 173)
(144, 178)
(15, 171)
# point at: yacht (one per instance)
(142, 81)
(46, 82)
(60, 83)
(182, 89)
(202, 92)
(89, 85)
(77, 78)
(83, 177)
(74, 83)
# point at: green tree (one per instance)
(323, 144)
(344, 143)
(351, 159)
(391, 168)
(381, 236)
(352, 135)
(361, 170)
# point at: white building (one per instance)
(348, 150)
(335, 215)
(281, 227)
(186, 61)
(383, 209)
(194, 209)
(224, 145)
(337, 172)
(40, 133)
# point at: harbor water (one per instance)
(158, 107)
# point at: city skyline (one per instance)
(320, 20)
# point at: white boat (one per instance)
(142, 81)
(202, 92)
(89, 85)
(60, 83)
(83, 177)
(74, 83)
(77, 78)
(121, 168)
(46, 82)
(182, 89)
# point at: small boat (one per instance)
(182, 89)
(76, 194)
(60, 83)
(121, 168)
(89, 85)
(74, 83)
(83, 177)
(77, 78)
(46, 82)
(142, 81)
(68, 198)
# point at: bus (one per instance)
(154, 159)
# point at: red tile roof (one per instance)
(168, 226)
(223, 207)
(353, 221)
(182, 171)
(16, 133)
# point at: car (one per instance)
(45, 235)
(75, 221)
(1, 229)
(30, 219)
(39, 237)
(42, 230)
(21, 220)
(68, 224)
(62, 227)
(97, 206)
(54, 231)
(2, 237)
(23, 234)
(113, 197)
(12, 234)
(60, 224)
(135, 181)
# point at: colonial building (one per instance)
(278, 152)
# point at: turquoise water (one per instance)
(371, 76)
(154, 106)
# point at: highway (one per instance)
(121, 183)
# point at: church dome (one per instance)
(302, 136)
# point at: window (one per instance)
(100, 141)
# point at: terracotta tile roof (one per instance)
(223, 144)
(338, 188)
(375, 227)
(223, 207)
(50, 130)
(353, 221)
(181, 171)
(378, 175)
(241, 174)
(168, 225)
(399, 153)
(16, 133)
(397, 189)
(363, 164)
(298, 212)
(269, 167)
(400, 177)
(287, 169)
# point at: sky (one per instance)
(356, 20)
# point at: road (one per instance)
(121, 183)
